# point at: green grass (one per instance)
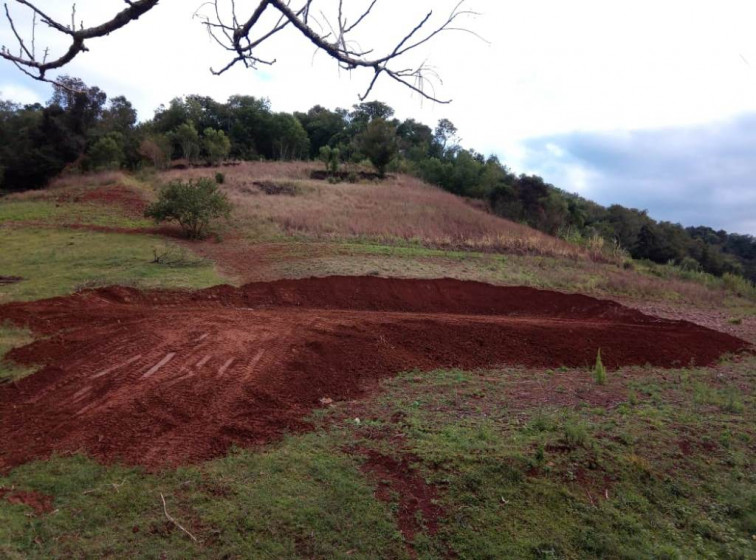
(405, 259)
(300, 499)
(12, 337)
(65, 213)
(55, 262)
(515, 479)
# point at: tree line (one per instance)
(79, 127)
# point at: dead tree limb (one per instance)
(241, 38)
(30, 63)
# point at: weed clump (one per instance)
(599, 371)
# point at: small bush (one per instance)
(331, 157)
(599, 371)
(575, 433)
(220, 178)
(194, 205)
(732, 401)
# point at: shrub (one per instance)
(220, 178)
(192, 204)
(599, 371)
(331, 157)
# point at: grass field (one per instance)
(664, 472)
(497, 463)
(54, 262)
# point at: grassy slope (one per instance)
(665, 471)
(514, 479)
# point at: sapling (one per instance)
(599, 371)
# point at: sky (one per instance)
(648, 104)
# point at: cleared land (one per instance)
(274, 421)
(165, 378)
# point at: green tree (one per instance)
(107, 152)
(323, 127)
(289, 137)
(445, 137)
(378, 143)
(194, 205)
(187, 138)
(217, 145)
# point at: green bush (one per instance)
(194, 205)
(331, 157)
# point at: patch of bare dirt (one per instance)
(162, 378)
(397, 481)
(272, 188)
(40, 503)
(117, 195)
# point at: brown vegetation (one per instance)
(401, 208)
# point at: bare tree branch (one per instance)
(27, 60)
(243, 37)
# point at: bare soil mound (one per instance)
(164, 378)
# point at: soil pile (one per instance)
(164, 378)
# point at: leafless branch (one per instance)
(38, 69)
(241, 37)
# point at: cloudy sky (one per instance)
(649, 104)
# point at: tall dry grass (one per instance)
(399, 208)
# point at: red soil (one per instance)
(113, 195)
(164, 378)
(397, 479)
(40, 503)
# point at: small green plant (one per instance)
(575, 433)
(220, 178)
(732, 401)
(331, 157)
(194, 205)
(599, 371)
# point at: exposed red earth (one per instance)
(163, 378)
(39, 503)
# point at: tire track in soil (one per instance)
(165, 378)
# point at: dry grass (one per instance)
(640, 286)
(400, 208)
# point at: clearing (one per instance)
(428, 394)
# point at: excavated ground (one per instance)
(165, 378)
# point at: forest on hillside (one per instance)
(80, 129)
